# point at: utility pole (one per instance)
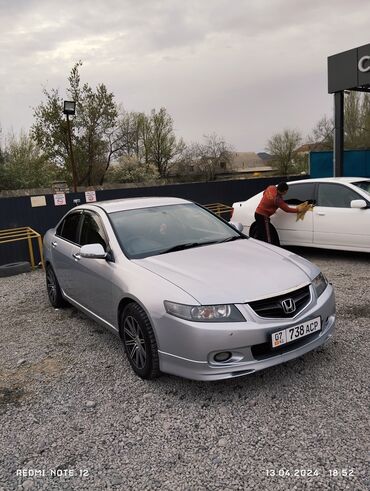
(70, 109)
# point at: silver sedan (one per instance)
(187, 293)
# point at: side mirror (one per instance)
(93, 251)
(239, 227)
(358, 203)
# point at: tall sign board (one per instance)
(349, 70)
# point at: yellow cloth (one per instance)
(303, 208)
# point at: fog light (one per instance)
(222, 356)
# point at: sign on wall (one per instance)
(60, 199)
(38, 201)
(90, 196)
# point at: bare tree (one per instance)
(209, 156)
(356, 124)
(283, 146)
(322, 136)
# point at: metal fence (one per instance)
(356, 163)
(18, 212)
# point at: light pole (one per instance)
(70, 109)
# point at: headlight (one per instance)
(204, 313)
(319, 283)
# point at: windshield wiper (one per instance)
(187, 245)
(230, 239)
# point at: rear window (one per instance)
(69, 227)
(364, 185)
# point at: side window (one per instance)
(68, 229)
(92, 232)
(299, 193)
(336, 196)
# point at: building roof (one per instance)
(245, 160)
(264, 156)
(311, 147)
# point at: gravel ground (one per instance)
(70, 404)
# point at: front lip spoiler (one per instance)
(203, 371)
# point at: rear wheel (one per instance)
(139, 342)
(253, 230)
(273, 232)
(54, 292)
(274, 236)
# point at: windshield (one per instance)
(364, 185)
(162, 229)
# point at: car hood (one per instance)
(234, 272)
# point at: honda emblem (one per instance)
(289, 306)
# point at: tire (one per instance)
(54, 292)
(274, 236)
(139, 342)
(14, 268)
(253, 230)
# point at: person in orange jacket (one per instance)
(272, 199)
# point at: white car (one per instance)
(340, 218)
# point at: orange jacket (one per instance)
(271, 201)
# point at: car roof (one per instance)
(111, 206)
(348, 180)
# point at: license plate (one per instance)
(290, 334)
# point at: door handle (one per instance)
(320, 213)
(77, 256)
(54, 244)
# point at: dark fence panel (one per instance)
(17, 212)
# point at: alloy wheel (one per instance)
(51, 285)
(135, 342)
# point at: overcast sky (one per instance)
(244, 69)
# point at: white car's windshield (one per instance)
(364, 185)
(161, 229)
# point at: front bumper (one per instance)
(187, 348)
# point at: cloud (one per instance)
(243, 68)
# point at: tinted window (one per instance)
(69, 227)
(336, 195)
(92, 232)
(299, 193)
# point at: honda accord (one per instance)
(187, 292)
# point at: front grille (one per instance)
(273, 308)
(264, 350)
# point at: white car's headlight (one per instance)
(204, 313)
(319, 283)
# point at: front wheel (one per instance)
(139, 342)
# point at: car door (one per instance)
(335, 222)
(290, 230)
(65, 244)
(93, 277)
